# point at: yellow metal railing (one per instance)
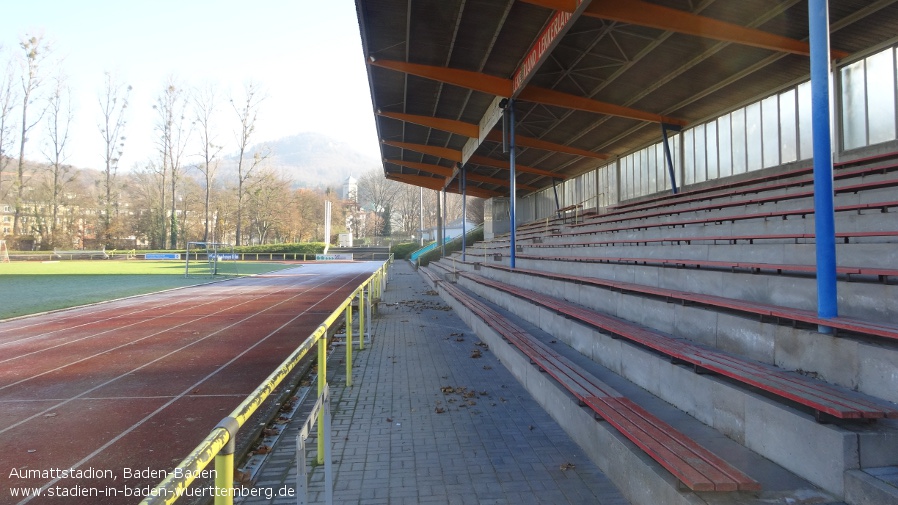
(219, 444)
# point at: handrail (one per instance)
(426, 249)
(219, 444)
(433, 245)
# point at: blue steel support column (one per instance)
(670, 165)
(512, 192)
(824, 213)
(464, 213)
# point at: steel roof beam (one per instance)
(503, 87)
(642, 13)
(477, 81)
(437, 185)
(453, 155)
(472, 131)
(448, 172)
(504, 164)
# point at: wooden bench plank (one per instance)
(784, 214)
(681, 263)
(692, 464)
(728, 189)
(732, 239)
(817, 395)
(757, 308)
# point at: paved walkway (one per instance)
(427, 422)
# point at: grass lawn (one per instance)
(28, 287)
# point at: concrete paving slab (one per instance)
(400, 435)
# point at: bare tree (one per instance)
(31, 79)
(8, 99)
(266, 203)
(204, 109)
(174, 134)
(377, 191)
(247, 114)
(407, 209)
(144, 193)
(113, 102)
(59, 120)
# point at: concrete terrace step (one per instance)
(859, 273)
(879, 164)
(787, 436)
(639, 477)
(692, 464)
(760, 331)
(786, 314)
(823, 398)
(723, 323)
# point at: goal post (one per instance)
(207, 259)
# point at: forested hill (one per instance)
(316, 161)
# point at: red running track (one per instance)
(138, 383)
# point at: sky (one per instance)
(305, 54)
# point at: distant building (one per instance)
(351, 189)
(6, 218)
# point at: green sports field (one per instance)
(29, 287)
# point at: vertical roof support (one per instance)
(557, 203)
(512, 194)
(464, 214)
(824, 212)
(670, 166)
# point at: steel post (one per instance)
(348, 321)
(443, 226)
(464, 213)
(224, 478)
(824, 212)
(322, 382)
(224, 463)
(362, 318)
(670, 165)
(512, 191)
(368, 308)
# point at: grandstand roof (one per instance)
(593, 79)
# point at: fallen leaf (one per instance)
(567, 466)
(241, 476)
(439, 410)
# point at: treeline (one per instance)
(160, 203)
(187, 191)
